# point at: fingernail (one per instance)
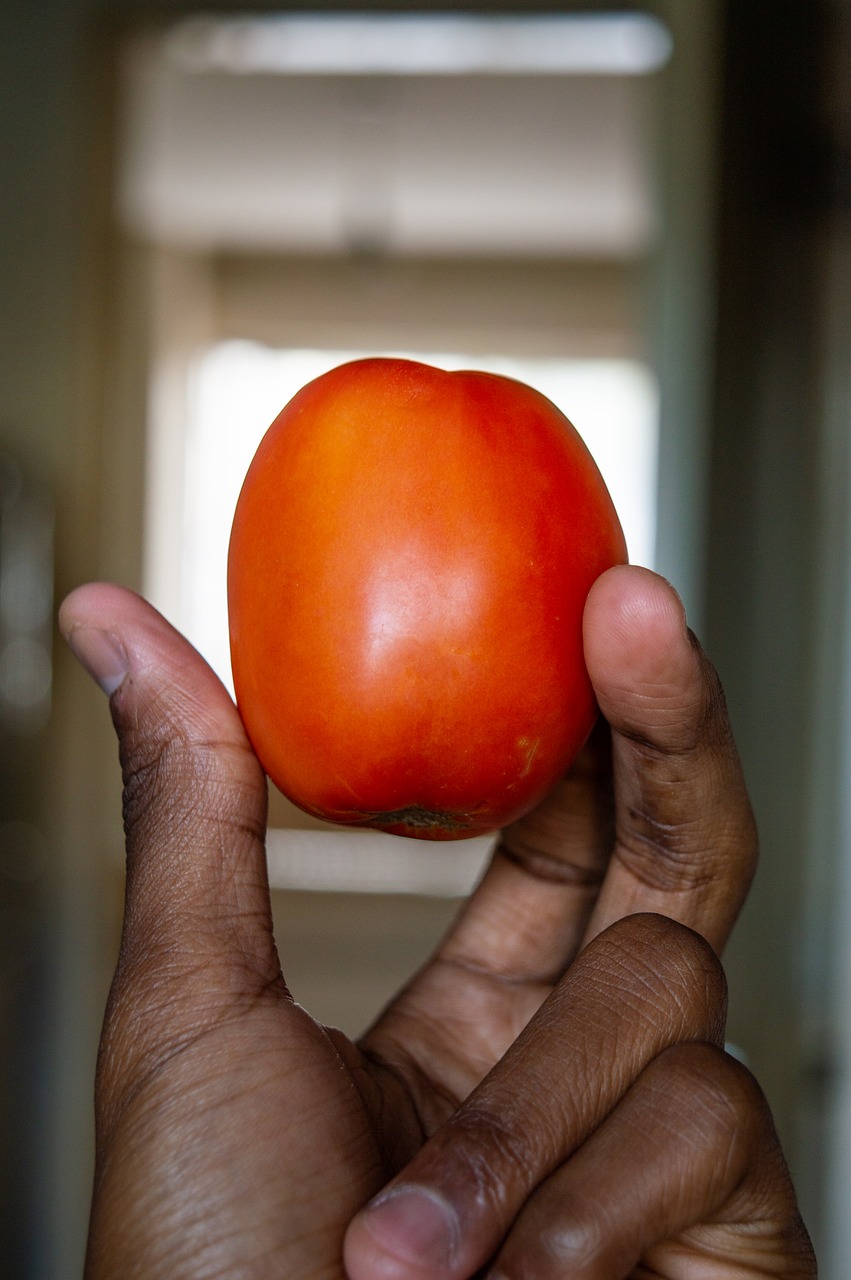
(101, 654)
(414, 1225)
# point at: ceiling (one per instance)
(520, 165)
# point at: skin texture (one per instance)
(406, 636)
(548, 1098)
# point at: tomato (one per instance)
(408, 566)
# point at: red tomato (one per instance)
(408, 566)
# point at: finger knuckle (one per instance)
(720, 1106)
(577, 1239)
(667, 842)
(690, 821)
(523, 848)
(715, 1097)
(500, 1144)
(662, 853)
(667, 966)
(567, 1248)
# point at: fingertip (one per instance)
(636, 632)
(86, 623)
(114, 631)
(629, 597)
(94, 601)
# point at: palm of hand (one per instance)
(238, 1182)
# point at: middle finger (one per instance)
(644, 985)
(526, 919)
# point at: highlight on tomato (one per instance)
(408, 566)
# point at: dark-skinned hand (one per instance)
(548, 1099)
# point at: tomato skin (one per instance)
(408, 566)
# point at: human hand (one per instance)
(237, 1136)
(614, 1136)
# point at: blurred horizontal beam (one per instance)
(423, 44)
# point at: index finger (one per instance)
(685, 839)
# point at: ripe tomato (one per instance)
(408, 567)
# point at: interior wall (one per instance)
(544, 307)
(408, 165)
(760, 554)
(777, 570)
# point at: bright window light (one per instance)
(423, 44)
(239, 387)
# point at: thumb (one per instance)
(197, 930)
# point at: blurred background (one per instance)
(641, 209)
